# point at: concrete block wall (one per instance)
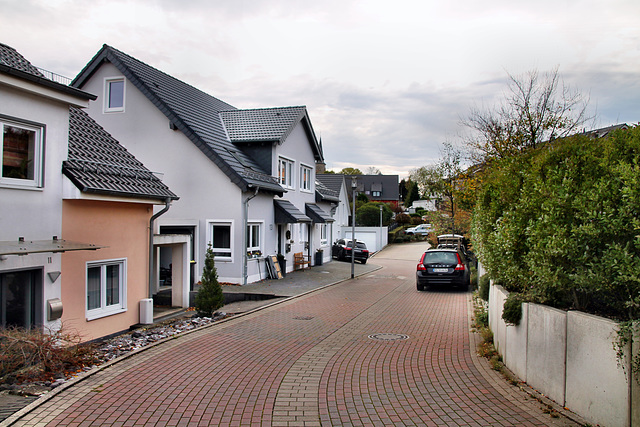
(595, 383)
(570, 357)
(546, 354)
(515, 354)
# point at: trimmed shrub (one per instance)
(483, 287)
(559, 224)
(209, 297)
(512, 309)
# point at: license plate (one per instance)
(440, 270)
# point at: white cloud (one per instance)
(385, 83)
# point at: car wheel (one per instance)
(364, 261)
(420, 287)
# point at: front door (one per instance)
(19, 296)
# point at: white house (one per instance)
(246, 178)
(34, 118)
(340, 212)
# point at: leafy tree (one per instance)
(351, 171)
(209, 297)
(444, 180)
(368, 215)
(403, 189)
(413, 194)
(559, 224)
(536, 108)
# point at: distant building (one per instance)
(378, 188)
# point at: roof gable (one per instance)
(12, 58)
(192, 111)
(13, 63)
(268, 125)
(97, 163)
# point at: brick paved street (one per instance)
(309, 361)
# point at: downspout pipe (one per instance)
(245, 224)
(167, 205)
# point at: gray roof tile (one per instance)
(200, 117)
(266, 124)
(11, 58)
(97, 163)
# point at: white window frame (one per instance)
(222, 223)
(323, 234)
(107, 93)
(303, 233)
(104, 309)
(305, 178)
(286, 179)
(252, 247)
(38, 155)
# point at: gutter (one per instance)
(245, 223)
(167, 203)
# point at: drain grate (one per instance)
(303, 318)
(389, 337)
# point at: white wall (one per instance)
(570, 357)
(36, 214)
(375, 238)
(206, 193)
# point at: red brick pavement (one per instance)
(308, 361)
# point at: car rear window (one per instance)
(361, 245)
(440, 258)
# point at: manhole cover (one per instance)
(303, 317)
(389, 337)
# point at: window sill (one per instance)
(104, 313)
(29, 187)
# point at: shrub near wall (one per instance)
(561, 224)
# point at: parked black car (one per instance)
(341, 250)
(443, 267)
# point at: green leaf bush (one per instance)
(209, 297)
(560, 225)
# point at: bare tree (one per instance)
(372, 170)
(536, 108)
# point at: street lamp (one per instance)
(354, 185)
(380, 246)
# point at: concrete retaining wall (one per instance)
(570, 357)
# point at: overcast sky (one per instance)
(385, 82)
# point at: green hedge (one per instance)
(561, 224)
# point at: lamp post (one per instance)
(354, 185)
(380, 246)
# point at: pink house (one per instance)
(108, 198)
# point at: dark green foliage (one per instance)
(560, 224)
(512, 309)
(209, 297)
(361, 197)
(413, 194)
(368, 215)
(483, 287)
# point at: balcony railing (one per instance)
(55, 77)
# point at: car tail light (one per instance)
(365, 251)
(421, 266)
(460, 266)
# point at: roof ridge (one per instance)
(118, 51)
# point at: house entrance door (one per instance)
(19, 297)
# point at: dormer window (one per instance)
(114, 95)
